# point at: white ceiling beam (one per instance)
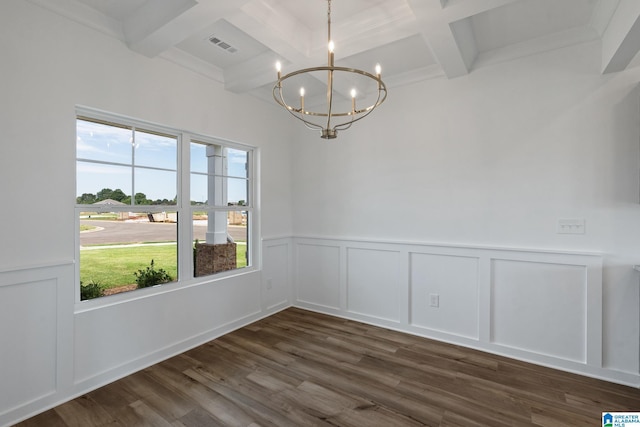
(439, 36)
(150, 28)
(602, 13)
(466, 41)
(161, 24)
(446, 28)
(275, 28)
(190, 62)
(84, 15)
(621, 39)
(445, 48)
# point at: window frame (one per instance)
(184, 239)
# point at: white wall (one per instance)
(492, 159)
(52, 350)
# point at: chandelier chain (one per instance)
(329, 20)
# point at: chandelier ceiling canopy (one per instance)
(341, 108)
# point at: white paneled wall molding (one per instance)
(276, 274)
(539, 306)
(36, 354)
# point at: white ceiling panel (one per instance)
(223, 45)
(394, 58)
(313, 13)
(525, 20)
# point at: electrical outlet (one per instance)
(434, 300)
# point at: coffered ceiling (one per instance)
(237, 42)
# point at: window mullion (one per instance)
(185, 213)
(133, 166)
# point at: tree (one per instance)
(104, 194)
(118, 195)
(86, 199)
(141, 199)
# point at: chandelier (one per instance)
(329, 117)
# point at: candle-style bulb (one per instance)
(332, 46)
(353, 101)
(301, 91)
(278, 66)
(378, 70)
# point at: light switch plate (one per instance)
(571, 226)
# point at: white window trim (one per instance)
(183, 207)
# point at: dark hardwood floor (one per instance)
(299, 368)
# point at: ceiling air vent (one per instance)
(222, 45)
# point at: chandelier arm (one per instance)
(329, 99)
(291, 110)
(367, 111)
(310, 125)
(343, 126)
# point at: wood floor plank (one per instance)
(48, 418)
(161, 399)
(198, 418)
(149, 415)
(455, 398)
(299, 368)
(115, 396)
(82, 412)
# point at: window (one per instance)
(156, 205)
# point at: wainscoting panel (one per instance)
(35, 358)
(540, 307)
(373, 283)
(453, 281)
(318, 274)
(276, 282)
(29, 363)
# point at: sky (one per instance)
(120, 148)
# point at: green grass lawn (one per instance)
(112, 267)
